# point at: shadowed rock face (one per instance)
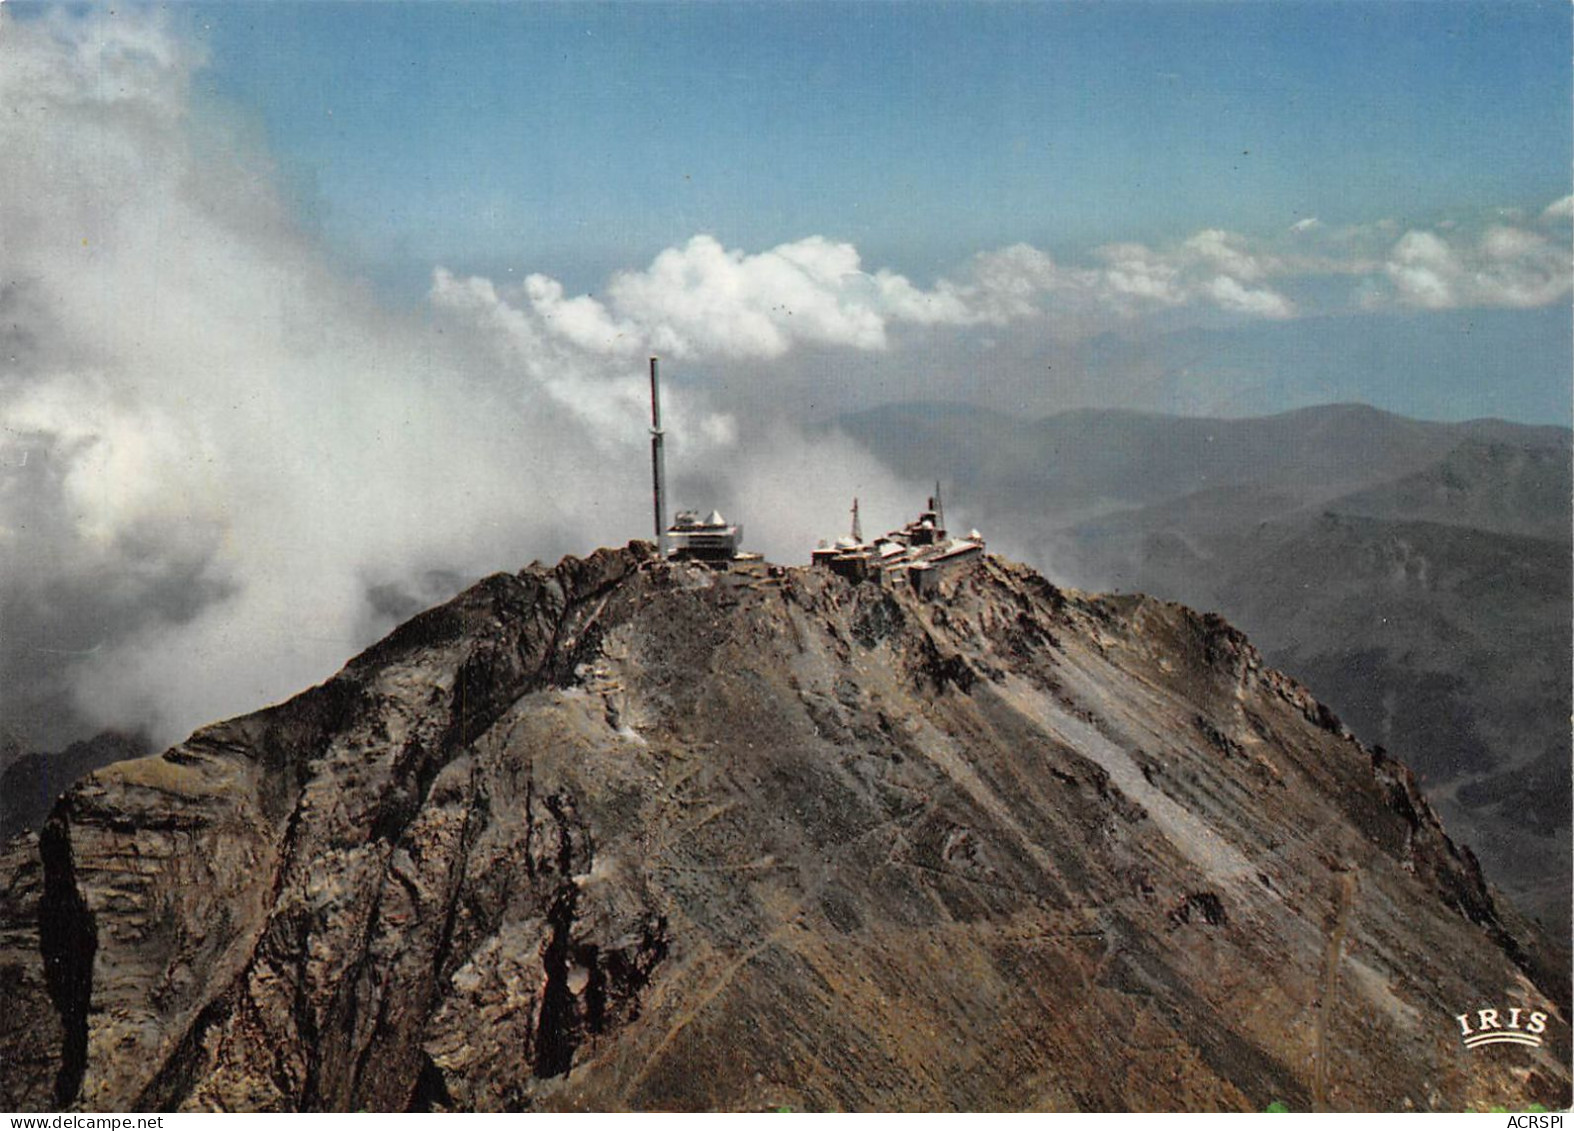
(621, 835)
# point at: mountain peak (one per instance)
(620, 833)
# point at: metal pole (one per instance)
(658, 464)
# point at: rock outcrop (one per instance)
(621, 834)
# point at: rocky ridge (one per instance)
(617, 834)
(1415, 574)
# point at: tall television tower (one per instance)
(658, 464)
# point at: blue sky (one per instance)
(574, 138)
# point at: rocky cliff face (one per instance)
(619, 834)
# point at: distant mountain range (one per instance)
(1415, 574)
(32, 782)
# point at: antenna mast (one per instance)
(658, 465)
(858, 531)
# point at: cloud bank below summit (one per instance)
(224, 466)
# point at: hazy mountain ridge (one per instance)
(1488, 484)
(1403, 568)
(30, 784)
(1134, 457)
(615, 834)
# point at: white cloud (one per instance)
(702, 300)
(1013, 276)
(1504, 266)
(946, 305)
(1226, 252)
(213, 444)
(1231, 294)
(1559, 209)
(1132, 270)
(1212, 266)
(582, 322)
(213, 439)
(1424, 268)
(1509, 245)
(705, 299)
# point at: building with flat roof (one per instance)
(712, 538)
(921, 554)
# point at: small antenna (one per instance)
(858, 530)
(658, 464)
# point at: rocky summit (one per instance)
(628, 834)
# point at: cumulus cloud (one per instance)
(1517, 264)
(707, 300)
(704, 300)
(1134, 271)
(1212, 266)
(1231, 294)
(1559, 209)
(1228, 252)
(1503, 266)
(1010, 281)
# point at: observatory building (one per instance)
(920, 554)
(711, 539)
